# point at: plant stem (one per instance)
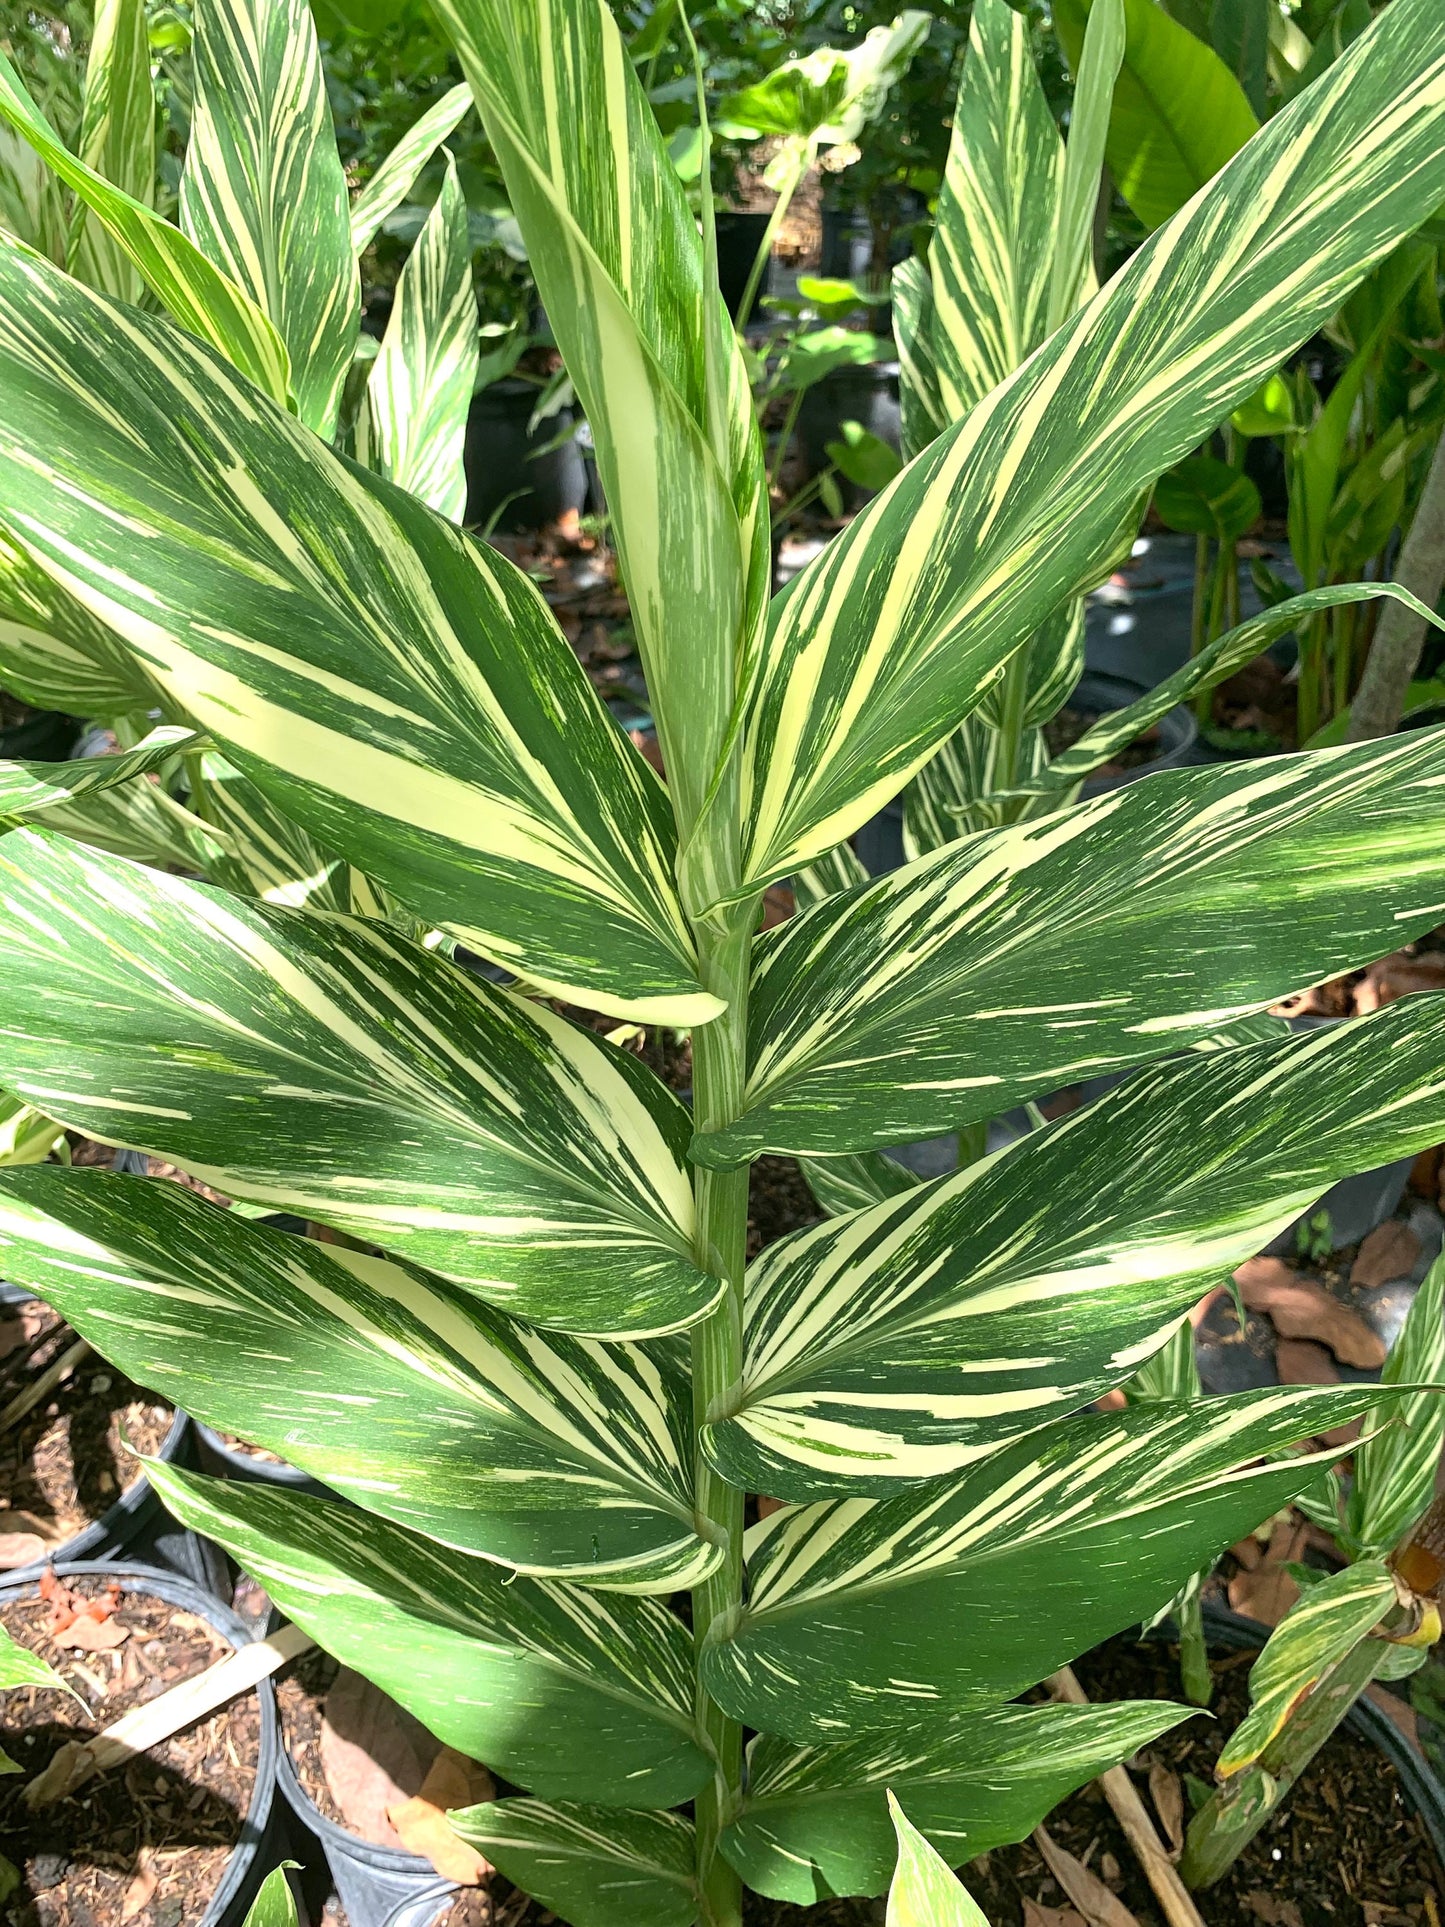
(1194, 1670)
(1011, 720)
(1231, 1817)
(1203, 705)
(802, 161)
(785, 436)
(972, 1143)
(1400, 634)
(721, 1197)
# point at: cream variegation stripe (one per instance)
(483, 1657)
(904, 1341)
(553, 1456)
(396, 176)
(403, 693)
(953, 987)
(117, 140)
(893, 634)
(421, 382)
(854, 1605)
(262, 192)
(334, 1068)
(1394, 1478)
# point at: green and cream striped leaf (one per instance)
(904, 1341)
(816, 1819)
(880, 648)
(839, 869)
(1216, 662)
(54, 654)
(421, 381)
(1262, 1029)
(403, 693)
(620, 267)
(31, 789)
(991, 970)
(397, 174)
(275, 1904)
(185, 283)
(552, 1455)
(853, 1183)
(925, 1891)
(572, 1693)
(27, 1136)
(855, 1606)
(140, 821)
(919, 392)
(19, 1666)
(1307, 1644)
(1073, 279)
(333, 1068)
(117, 141)
(259, 852)
(1394, 1478)
(991, 256)
(263, 195)
(954, 794)
(592, 1866)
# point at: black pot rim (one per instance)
(132, 1576)
(256, 1471)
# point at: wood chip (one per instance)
(1099, 1907)
(20, 1549)
(1167, 1794)
(1273, 1912)
(139, 1893)
(1037, 1915)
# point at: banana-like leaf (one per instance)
(572, 1693)
(902, 1342)
(117, 140)
(620, 267)
(396, 176)
(880, 647)
(815, 1822)
(421, 381)
(1394, 1478)
(53, 652)
(262, 192)
(853, 1183)
(992, 252)
(333, 1068)
(865, 1615)
(1178, 116)
(592, 1866)
(262, 853)
(31, 789)
(553, 1455)
(995, 969)
(1312, 1638)
(1214, 663)
(200, 298)
(919, 391)
(925, 1891)
(402, 692)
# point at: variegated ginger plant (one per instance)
(545, 1384)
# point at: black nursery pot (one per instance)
(502, 459)
(739, 236)
(45, 737)
(867, 394)
(223, 1461)
(262, 1843)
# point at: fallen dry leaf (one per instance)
(1167, 1794)
(1302, 1308)
(1036, 1914)
(1093, 1899)
(422, 1825)
(20, 1549)
(1390, 1251)
(1273, 1912)
(142, 1886)
(90, 1635)
(1397, 975)
(374, 1754)
(1425, 1173)
(1268, 1592)
(1299, 1361)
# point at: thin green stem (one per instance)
(802, 160)
(785, 436)
(721, 1199)
(1194, 1670)
(1197, 617)
(1011, 721)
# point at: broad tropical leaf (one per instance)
(1203, 496)
(553, 1455)
(262, 193)
(969, 979)
(902, 1342)
(1394, 1478)
(54, 654)
(117, 140)
(32, 789)
(396, 176)
(991, 257)
(852, 1183)
(593, 1866)
(925, 1891)
(855, 1606)
(920, 391)
(1179, 114)
(421, 381)
(1312, 1638)
(1096, 80)
(141, 821)
(403, 693)
(333, 1068)
(816, 1819)
(882, 645)
(572, 1693)
(620, 267)
(260, 852)
(199, 297)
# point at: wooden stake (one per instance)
(1129, 1810)
(43, 1386)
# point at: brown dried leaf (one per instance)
(1398, 975)
(1037, 1915)
(424, 1829)
(1301, 1308)
(1099, 1907)
(20, 1549)
(1167, 1793)
(93, 1635)
(1299, 1361)
(1390, 1251)
(1268, 1592)
(1273, 1912)
(140, 1892)
(374, 1754)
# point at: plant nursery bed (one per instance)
(146, 1844)
(65, 1463)
(1345, 1850)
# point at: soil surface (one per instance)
(779, 1201)
(148, 1842)
(65, 1463)
(13, 712)
(1345, 1850)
